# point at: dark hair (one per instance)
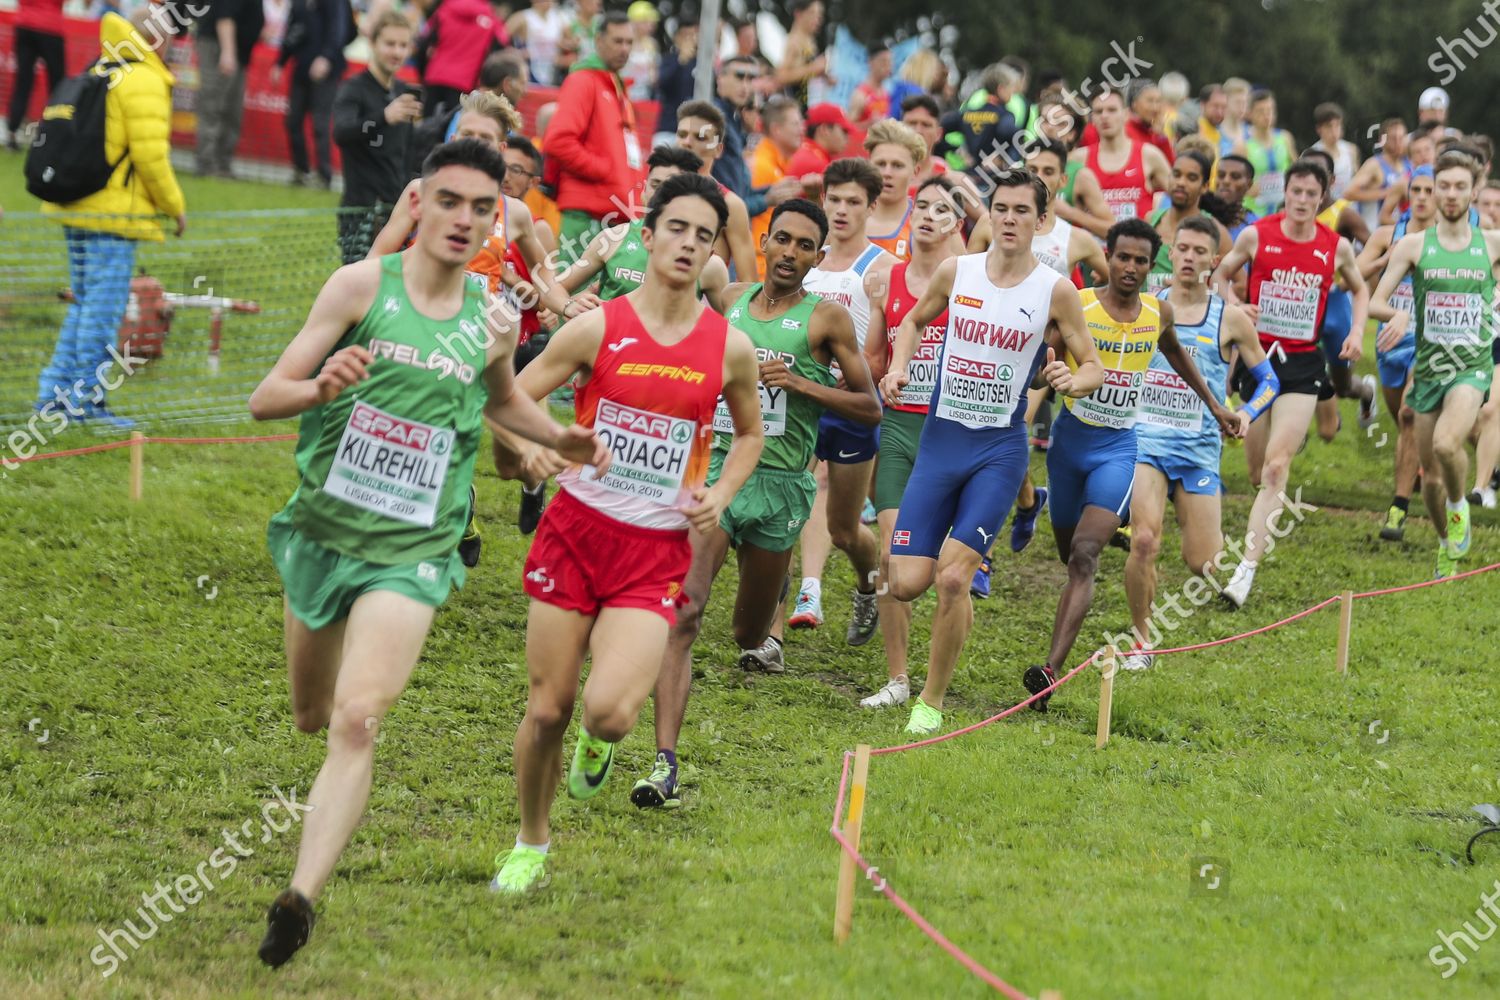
(674, 156)
(499, 67)
(1483, 145)
(801, 206)
(1327, 112)
(926, 102)
(1012, 177)
(1209, 90)
(1047, 144)
(705, 110)
(1307, 168)
(742, 57)
(1110, 92)
(854, 170)
(1138, 229)
(1241, 160)
(798, 6)
(473, 153)
(523, 145)
(938, 180)
(1314, 152)
(1425, 130)
(1229, 213)
(875, 50)
(1459, 159)
(686, 185)
(1018, 64)
(613, 18)
(1261, 94)
(1198, 224)
(1049, 78)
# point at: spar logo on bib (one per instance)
(650, 451)
(392, 430)
(391, 466)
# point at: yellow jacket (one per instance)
(137, 134)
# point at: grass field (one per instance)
(145, 686)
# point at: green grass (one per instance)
(1056, 865)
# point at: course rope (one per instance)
(112, 445)
(882, 884)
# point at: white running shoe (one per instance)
(1487, 497)
(1138, 659)
(1237, 591)
(767, 657)
(1369, 412)
(894, 693)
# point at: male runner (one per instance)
(1178, 449)
(617, 256)
(850, 272)
(895, 150)
(1129, 170)
(700, 130)
(391, 402)
(1001, 306)
(1271, 149)
(797, 336)
(1187, 197)
(1452, 266)
(605, 573)
(1395, 363)
(1389, 167)
(1091, 464)
(934, 216)
(1293, 259)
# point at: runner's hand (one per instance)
(1058, 374)
(705, 514)
(580, 444)
(1393, 332)
(892, 384)
(776, 375)
(540, 464)
(1354, 345)
(1243, 420)
(343, 369)
(585, 301)
(1232, 423)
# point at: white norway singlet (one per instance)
(1051, 248)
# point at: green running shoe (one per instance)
(925, 720)
(591, 761)
(659, 789)
(1459, 533)
(521, 869)
(1446, 564)
(1395, 524)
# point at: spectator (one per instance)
(275, 14)
(800, 61)
(503, 73)
(594, 157)
(674, 80)
(870, 102)
(827, 137)
(38, 36)
(1177, 112)
(735, 80)
(747, 41)
(988, 130)
(316, 33)
(922, 73)
(372, 123)
(540, 28)
(645, 55)
(1021, 109)
(783, 121)
(460, 35)
(227, 33)
(103, 228)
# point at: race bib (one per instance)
(772, 413)
(1288, 312)
(977, 393)
(1115, 403)
(1168, 401)
(391, 466)
(650, 450)
(922, 373)
(632, 151)
(1272, 188)
(1404, 299)
(1454, 319)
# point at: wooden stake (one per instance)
(1050, 995)
(843, 914)
(1346, 621)
(1106, 696)
(137, 463)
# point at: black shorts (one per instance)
(1303, 374)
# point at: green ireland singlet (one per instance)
(625, 269)
(1453, 291)
(385, 467)
(790, 420)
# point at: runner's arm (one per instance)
(1403, 257)
(1089, 209)
(396, 228)
(1234, 261)
(1067, 316)
(570, 350)
(1242, 335)
(1352, 226)
(1084, 249)
(1376, 253)
(1348, 269)
(908, 335)
(713, 281)
(742, 396)
(1390, 206)
(979, 239)
(290, 388)
(550, 292)
(1368, 183)
(737, 231)
(587, 267)
(1182, 364)
(877, 335)
(1158, 170)
(832, 327)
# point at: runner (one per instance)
(852, 269)
(1128, 170)
(1388, 168)
(1452, 266)
(605, 573)
(894, 151)
(1328, 122)
(1001, 306)
(1293, 259)
(617, 256)
(934, 214)
(1271, 149)
(1188, 197)
(700, 130)
(390, 422)
(1178, 449)
(796, 336)
(1091, 464)
(1395, 363)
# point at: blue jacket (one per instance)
(730, 169)
(317, 28)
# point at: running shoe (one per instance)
(867, 516)
(1038, 679)
(1139, 658)
(1459, 533)
(1121, 537)
(1041, 428)
(1394, 528)
(533, 503)
(471, 543)
(1023, 525)
(766, 657)
(1446, 564)
(808, 612)
(105, 418)
(925, 720)
(1483, 498)
(520, 869)
(1237, 590)
(980, 586)
(864, 619)
(591, 762)
(1368, 413)
(289, 924)
(895, 692)
(658, 790)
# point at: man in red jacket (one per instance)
(38, 38)
(459, 35)
(594, 154)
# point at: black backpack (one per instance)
(66, 160)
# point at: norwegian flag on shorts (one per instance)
(901, 538)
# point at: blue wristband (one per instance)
(1267, 386)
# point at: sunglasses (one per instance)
(745, 76)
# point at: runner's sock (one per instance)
(1457, 507)
(812, 587)
(671, 758)
(1402, 503)
(540, 848)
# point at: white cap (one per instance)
(1433, 99)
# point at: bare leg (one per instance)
(816, 545)
(895, 614)
(1288, 421)
(312, 660)
(676, 678)
(954, 617)
(555, 643)
(1148, 503)
(1487, 450)
(847, 487)
(1087, 540)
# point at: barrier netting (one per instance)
(882, 883)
